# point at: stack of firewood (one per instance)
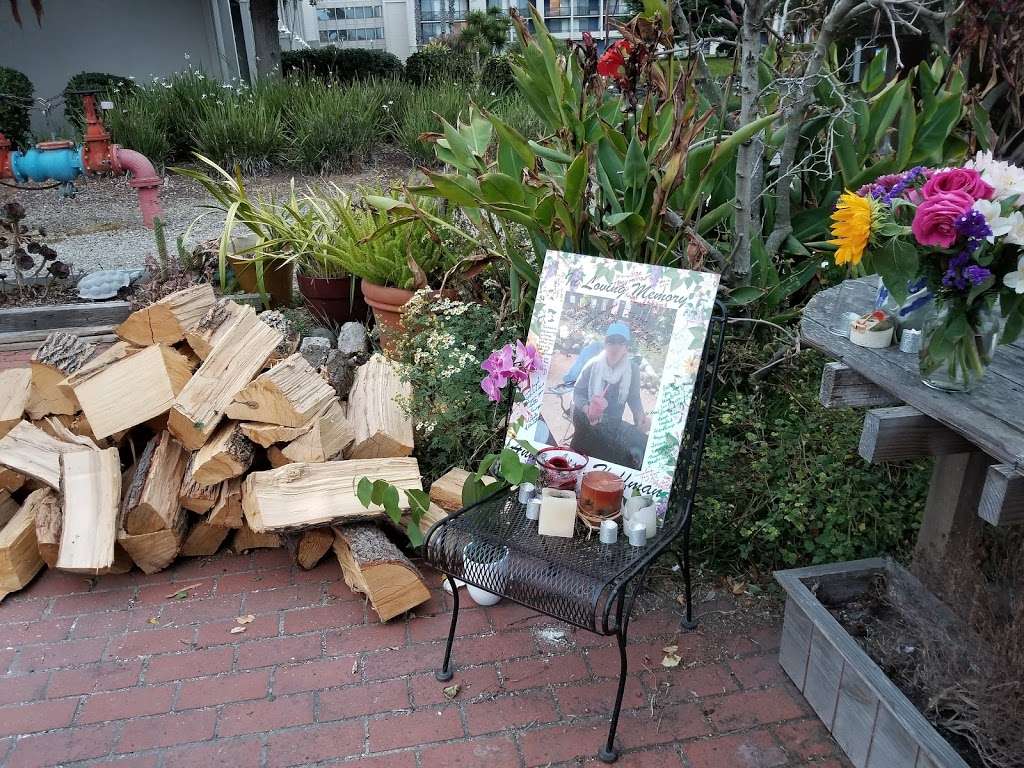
(204, 421)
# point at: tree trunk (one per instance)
(266, 39)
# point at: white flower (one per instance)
(993, 213)
(1005, 178)
(1016, 234)
(1015, 280)
(187, 57)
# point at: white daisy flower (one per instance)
(1015, 280)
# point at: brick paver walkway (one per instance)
(114, 672)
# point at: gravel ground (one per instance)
(101, 227)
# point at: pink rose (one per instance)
(958, 180)
(935, 219)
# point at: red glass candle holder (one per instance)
(561, 468)
(600, 497)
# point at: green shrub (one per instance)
(438, 63)
(417, 113)
(14, 111)
(516, 111)
(240, 131)
(333, 127)
(106, 86)
(496, 74)
(341, 64)
(141, 122)
(782, 483)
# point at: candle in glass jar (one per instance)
(600, 494)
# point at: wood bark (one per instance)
(446, 491)
(10, 480)
(289, 394)
(49, 522)
(373, 566)
(300, 496)
(91, 489)
(229, 453)
(195, 497)
(231, 365)
(59, 356)
(15, 390)
(19, 555)
(382, 429)
(329, 436)
(152, 502)
(217, 321)
(30, 451)
(167, 320)
(313, 545)
(227, 512)
(133, 390)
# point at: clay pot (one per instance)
(331, 299)
(388, 305)
(277, 279)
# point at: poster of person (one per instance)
(620, 346)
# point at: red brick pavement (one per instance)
(112, 672)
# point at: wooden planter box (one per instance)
(870, 718)
(27, 327)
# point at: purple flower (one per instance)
(527, 358)
(973, 226)
(977, 275)
(509, 364)
(491, 387)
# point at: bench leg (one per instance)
(445, 674)
(688, 622)
(608, 753)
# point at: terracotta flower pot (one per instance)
(277, 279)
(388, 305)
(331, 299)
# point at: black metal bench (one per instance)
(579, 581)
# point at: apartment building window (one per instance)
(431, 10)
(557, 25)
(430, 31)
(349, 12)
(557, 8)
(587, 25)
(351, 35)
(587, 8)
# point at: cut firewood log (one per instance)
(151, 503)
(289, 394)
(212, 326)
(227, 512)
(373, 566)
(446, 491)
(10, 480)
(246, 538)
(131, 390)
(119, 350)
(8, 507)
(195, 497)
(300, 496)
(329, 436)
(167, 320)
(227, 454)
(90, 486)
(266, 435)
(276, 458)
(30, 451)
(381, 428)
(15, 390)
(57, 358)
(290, 337)
(313, 545)
(55, 427)
(153, 552)
(204, 539)
(19, 555)
(231, 364)
(49, 521)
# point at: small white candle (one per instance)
(648, 518)
(526, 492)
(637, 534)
(609, 532)
(533, 509)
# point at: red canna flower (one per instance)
(613, 61)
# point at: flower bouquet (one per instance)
(961, 230)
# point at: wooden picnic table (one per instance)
(976, 437)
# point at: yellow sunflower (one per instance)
(851, 226)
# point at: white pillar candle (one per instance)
(557, 513)
(647, 517)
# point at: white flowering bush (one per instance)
(440, 356)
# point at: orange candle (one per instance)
(601, 494)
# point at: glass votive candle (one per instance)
(561, 468)
(600, 496)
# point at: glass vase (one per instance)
(957, 343)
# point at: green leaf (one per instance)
(897, 262)
(874, 75)
(391, 501)
(937, 124)
(379, 488)
(744, 295)
(906, 130)
(499, 188)
(364, 492)
(576, 181)
(884, 108)
(412, 530)
(635, 171)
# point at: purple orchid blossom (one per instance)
(510, 363)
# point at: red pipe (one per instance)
(144, 178)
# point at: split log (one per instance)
(151, 503)
(212, 326)
(228, 454)
(10, 480)
(49, 521)
(153, 552)
(373, 566)
(227, 512)
(231, 364)
(167, 320)
(246, 538)
(57, 358)
(329, 436)
(132, 390)
(266, 435)
(289, 394)
(289, 336)
(446, 491)
(54, 426)
(313, 545)
(381, 428)
(204, 539)
(195, 497)
(8, 507)
(91, 489)
(30, 451)
(15, 390)
(431, 516)
(276, 458)
(19, 556)
(300, 496)
(115, 352)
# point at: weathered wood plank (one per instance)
(950, 512)
(843, 387)
(824, 668)
(856, 711)
(892, 745)
(64, 316)
(796, 644)
(903, 432)
(1002, 496)
(16, 342)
